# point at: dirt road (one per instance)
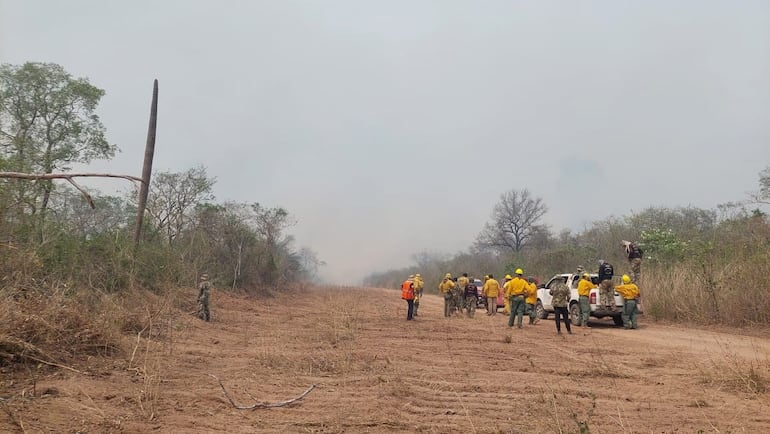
(376, 372)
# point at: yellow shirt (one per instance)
(418, 283)
(491, 288)
(446, 285)
(628, 291)
(585, 287)
(531, 294)
(517, 286)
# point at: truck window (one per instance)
(554, 280)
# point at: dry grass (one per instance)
(726, 370)
(66, 328)
(705, 291)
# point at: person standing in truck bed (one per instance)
(634, 254)
(606, 293)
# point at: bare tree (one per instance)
(515, 221)
(174, 198)
(763, 195)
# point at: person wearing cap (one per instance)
(630, 292)
(407, 294)
(204, 290)
(517, 290)
(531, 299)
(606, 294)
(491, 289)
(584, 290)
(445, 287)
(506, 302)
(418, 285)
(561, 295)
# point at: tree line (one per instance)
(701, 265)
(50, 236)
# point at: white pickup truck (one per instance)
(544, 307)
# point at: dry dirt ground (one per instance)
(376, 372)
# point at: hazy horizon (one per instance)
(391, 128)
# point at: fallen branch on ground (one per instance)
(261, 404)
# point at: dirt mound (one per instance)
(377, 372)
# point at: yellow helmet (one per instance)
(626, 279)
(586, 275)
(519, 271)
(448, 276)
(417, 275)
(508, 276)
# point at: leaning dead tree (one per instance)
(149, 152)
(261, 404)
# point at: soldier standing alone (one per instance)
(204, 290)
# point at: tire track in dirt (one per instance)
(376, 372)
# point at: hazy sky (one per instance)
(375, 122)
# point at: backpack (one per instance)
(606, 271)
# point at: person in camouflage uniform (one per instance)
(634, 254)
(470, 298)
(560, 301)
(606, 291)
(459, 292)
(204, 292)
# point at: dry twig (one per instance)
(261, 404)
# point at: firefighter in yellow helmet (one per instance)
(445, 287)
(517, 291)
(630, 293)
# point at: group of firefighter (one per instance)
(520, 294)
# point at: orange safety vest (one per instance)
(407, 290)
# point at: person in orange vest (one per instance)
(407, 293)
